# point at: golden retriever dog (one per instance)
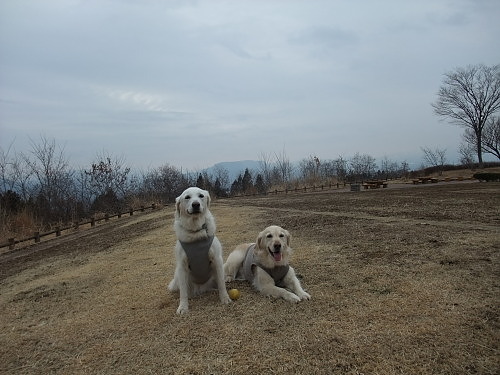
(266, 265)
(198, 252)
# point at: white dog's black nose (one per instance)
(195, 206)
(277, 247)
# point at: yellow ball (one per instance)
(234, 294)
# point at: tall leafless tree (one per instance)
(309, 169)
(468, 97)
(284, 167)
(266, 169)
(362, 167)
(53, 178)
(467, 153)
(108, 174)
(435, 158)
(490, 141)
(491, 137)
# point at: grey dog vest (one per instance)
(278, 273)
(197, 254)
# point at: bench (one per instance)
(374, 184)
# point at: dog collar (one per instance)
(203, 227)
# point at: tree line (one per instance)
(42, 181)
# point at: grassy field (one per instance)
(403, 281)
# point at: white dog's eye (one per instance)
(187, 197)
(201, 196)
(282, 235)
(269, 235)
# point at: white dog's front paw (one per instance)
(182, 309)
(224, 298)
(290, 297)
(304, 296)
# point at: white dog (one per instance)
(198, 252)
(265, 265)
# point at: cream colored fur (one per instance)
(268, 241)
(194, 222)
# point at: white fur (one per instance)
(193, 222)
(266, 241)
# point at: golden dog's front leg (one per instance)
(264, 283)
(291, 282)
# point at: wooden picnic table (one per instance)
(374, 184)
(424, 180)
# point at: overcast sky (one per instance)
(193, 83)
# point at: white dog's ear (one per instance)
(207, 194)
(178, 206)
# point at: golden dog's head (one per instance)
(273, 246)
(192, 201)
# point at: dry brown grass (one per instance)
(403, 281)
(19, 225)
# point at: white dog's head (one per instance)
(192, 201)
(273, 246)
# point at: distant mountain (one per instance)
(235, 168)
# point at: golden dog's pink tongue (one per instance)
(277, 256)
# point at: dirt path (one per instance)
(402, 281)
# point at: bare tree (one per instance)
(435, 158)
(108, 173)
(6, 178)
(266, 169)
(53, 179)
(221, 174)
(327, 169)
(467, 152)
(469, 96)
(362, 167)
(389, 168)
(341, 167)
(284, 167)
(491, 137)
(309, 169)
(164, 183)
(108, 180)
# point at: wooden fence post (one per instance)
(12, 243)
(37, 237)
(92, 222)
(106, 217)
(58, 231)
(131, 211)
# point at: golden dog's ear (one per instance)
(260, 238)
(288, 238)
